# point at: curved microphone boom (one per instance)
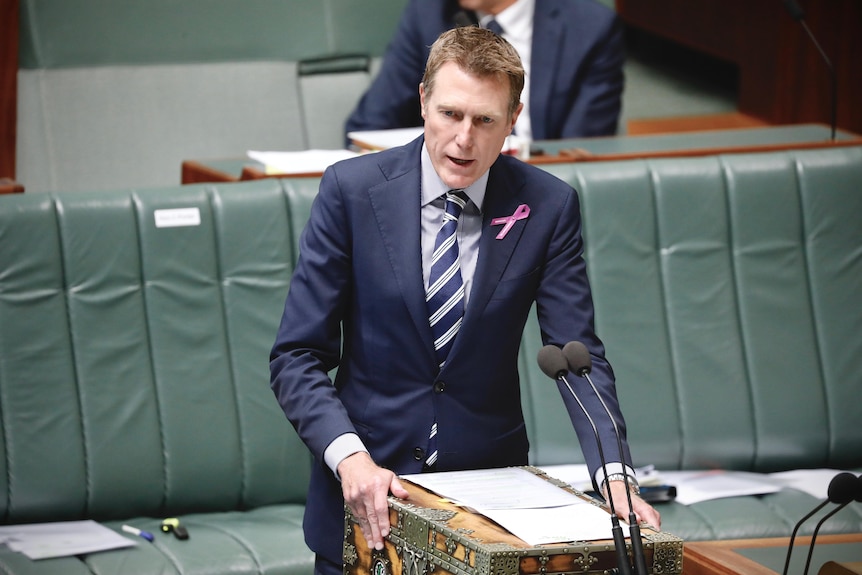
(796, 12)
(554, 365)
(581, 364)
(841, 489)
(843, 499)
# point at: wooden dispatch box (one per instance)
(429, 535)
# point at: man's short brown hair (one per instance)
(480, 53)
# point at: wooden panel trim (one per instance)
(9, 34)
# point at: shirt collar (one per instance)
(433, 187)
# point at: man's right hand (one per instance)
(366, 488)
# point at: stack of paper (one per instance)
(529, 507)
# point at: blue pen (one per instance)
(135, 531)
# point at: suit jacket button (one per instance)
(418, 454)
(439, 386)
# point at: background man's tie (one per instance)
(494, 27)
(445, 294)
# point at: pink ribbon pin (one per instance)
(520, 214)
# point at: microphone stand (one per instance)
(555, 355)
(816, 530)
(844, 498)
(638, 557)
(841, 490)
(634, 529)
(624, 568)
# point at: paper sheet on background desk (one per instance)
(815, 482)
(691, 486)
(527, 506)
(303, 162)
(61, 539)
(697, 486)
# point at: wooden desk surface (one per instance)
(8, 186)
(729, 557)
(696, 143)
(699, 143)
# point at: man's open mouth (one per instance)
(459, 161)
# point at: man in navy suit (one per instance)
(357, 301)
(573, 52)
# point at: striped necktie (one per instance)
(445, 294)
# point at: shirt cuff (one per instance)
(342, 447)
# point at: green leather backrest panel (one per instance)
(82, 33)
(42, 423)
(831, 198)
(134, 375)
(728, 291)
(133, 358)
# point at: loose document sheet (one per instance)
(526, 505)
(302, 162)
(62, 538)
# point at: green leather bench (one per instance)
(134, 376)
(135, 328)
(728, 292)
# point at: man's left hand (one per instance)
(644, 512)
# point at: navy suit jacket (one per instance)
(357, 302)
(576, 69)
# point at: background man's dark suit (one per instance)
(360, 272)
(576, 69)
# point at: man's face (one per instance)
(466, 123)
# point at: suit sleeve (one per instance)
(307, 345)
(565, 310)
(392, 100)
(598, 102)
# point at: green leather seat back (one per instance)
(728, 292)
(119, 96)
(135, 379)
(133, 358)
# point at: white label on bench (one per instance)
(178, 217)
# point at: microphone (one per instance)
(578, 358)
(796, 12)
(554, 365)
(841, 489)
(843, 499)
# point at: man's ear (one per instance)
(422, 99)
(516, 114)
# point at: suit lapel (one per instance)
(501, 199)
(396, 206)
